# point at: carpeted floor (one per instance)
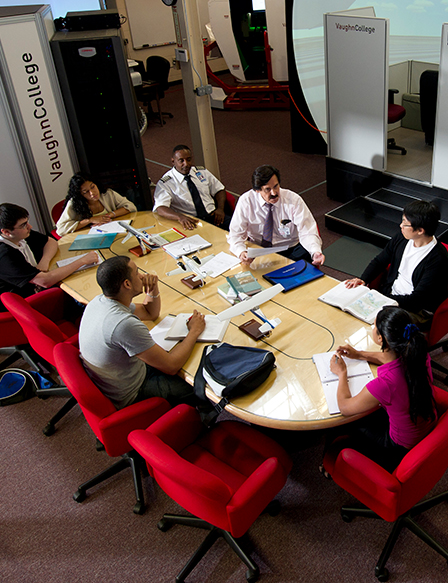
(46, 537)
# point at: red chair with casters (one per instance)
(45, 322)
(13, 342)
(111, 427)
(56, 213)
(395, 113)
(395, 497)
(225, 476)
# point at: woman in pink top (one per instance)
(403, 390)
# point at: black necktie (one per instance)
(197, 200)
(268, 227)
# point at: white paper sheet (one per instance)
(258, 252)
(112, 227)
(64, 262)
(219, 264)
(159, 332)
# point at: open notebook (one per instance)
(358, 373)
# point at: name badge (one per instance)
(200, 176)
(284, 231)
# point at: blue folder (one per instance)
(95, 241)
(294, 275)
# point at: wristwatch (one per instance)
(169, 2)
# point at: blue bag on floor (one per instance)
(17, 385)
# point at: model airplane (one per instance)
(194, 265)
(252, 304)
(144, 239)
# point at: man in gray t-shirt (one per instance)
(118, 352)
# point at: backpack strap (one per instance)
(199, 380)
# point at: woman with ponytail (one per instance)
(402, 389)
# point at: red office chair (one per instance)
(395, 113)
(230, 203)
(111, 427)
(395, 497)
(226, 476)
(56, 213)
(44, 320)
(13, 342)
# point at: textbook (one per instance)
(99, 241)
(361, 302)
(294, 275)
(245, 283)
(358, 375)
(214, 328)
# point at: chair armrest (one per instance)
(356, 467)
(49, 302)
(115, 428)
(254, 495)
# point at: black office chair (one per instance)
(155, 82)
(395, 113)
(429, 81)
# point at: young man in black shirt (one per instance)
(25, 255)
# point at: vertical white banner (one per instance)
(357, 59)
(27, 68)
(440, 152)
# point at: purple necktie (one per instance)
(268, 227)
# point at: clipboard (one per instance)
(294, 275)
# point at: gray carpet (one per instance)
(350, 256)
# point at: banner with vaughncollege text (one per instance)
(28, 72)
(356, 58)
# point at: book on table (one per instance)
(99, 241)
(361, 302)
(214, 328)
(358, 375)
(245, 283)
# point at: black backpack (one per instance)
(231, 371)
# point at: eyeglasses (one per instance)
(405, 225)
(22, 226)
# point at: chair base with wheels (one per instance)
(348, 513)
(169, 520)
(127, 460)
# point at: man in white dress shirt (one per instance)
(188, 193)
(272, 216)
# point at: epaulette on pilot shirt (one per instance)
(165, 179)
